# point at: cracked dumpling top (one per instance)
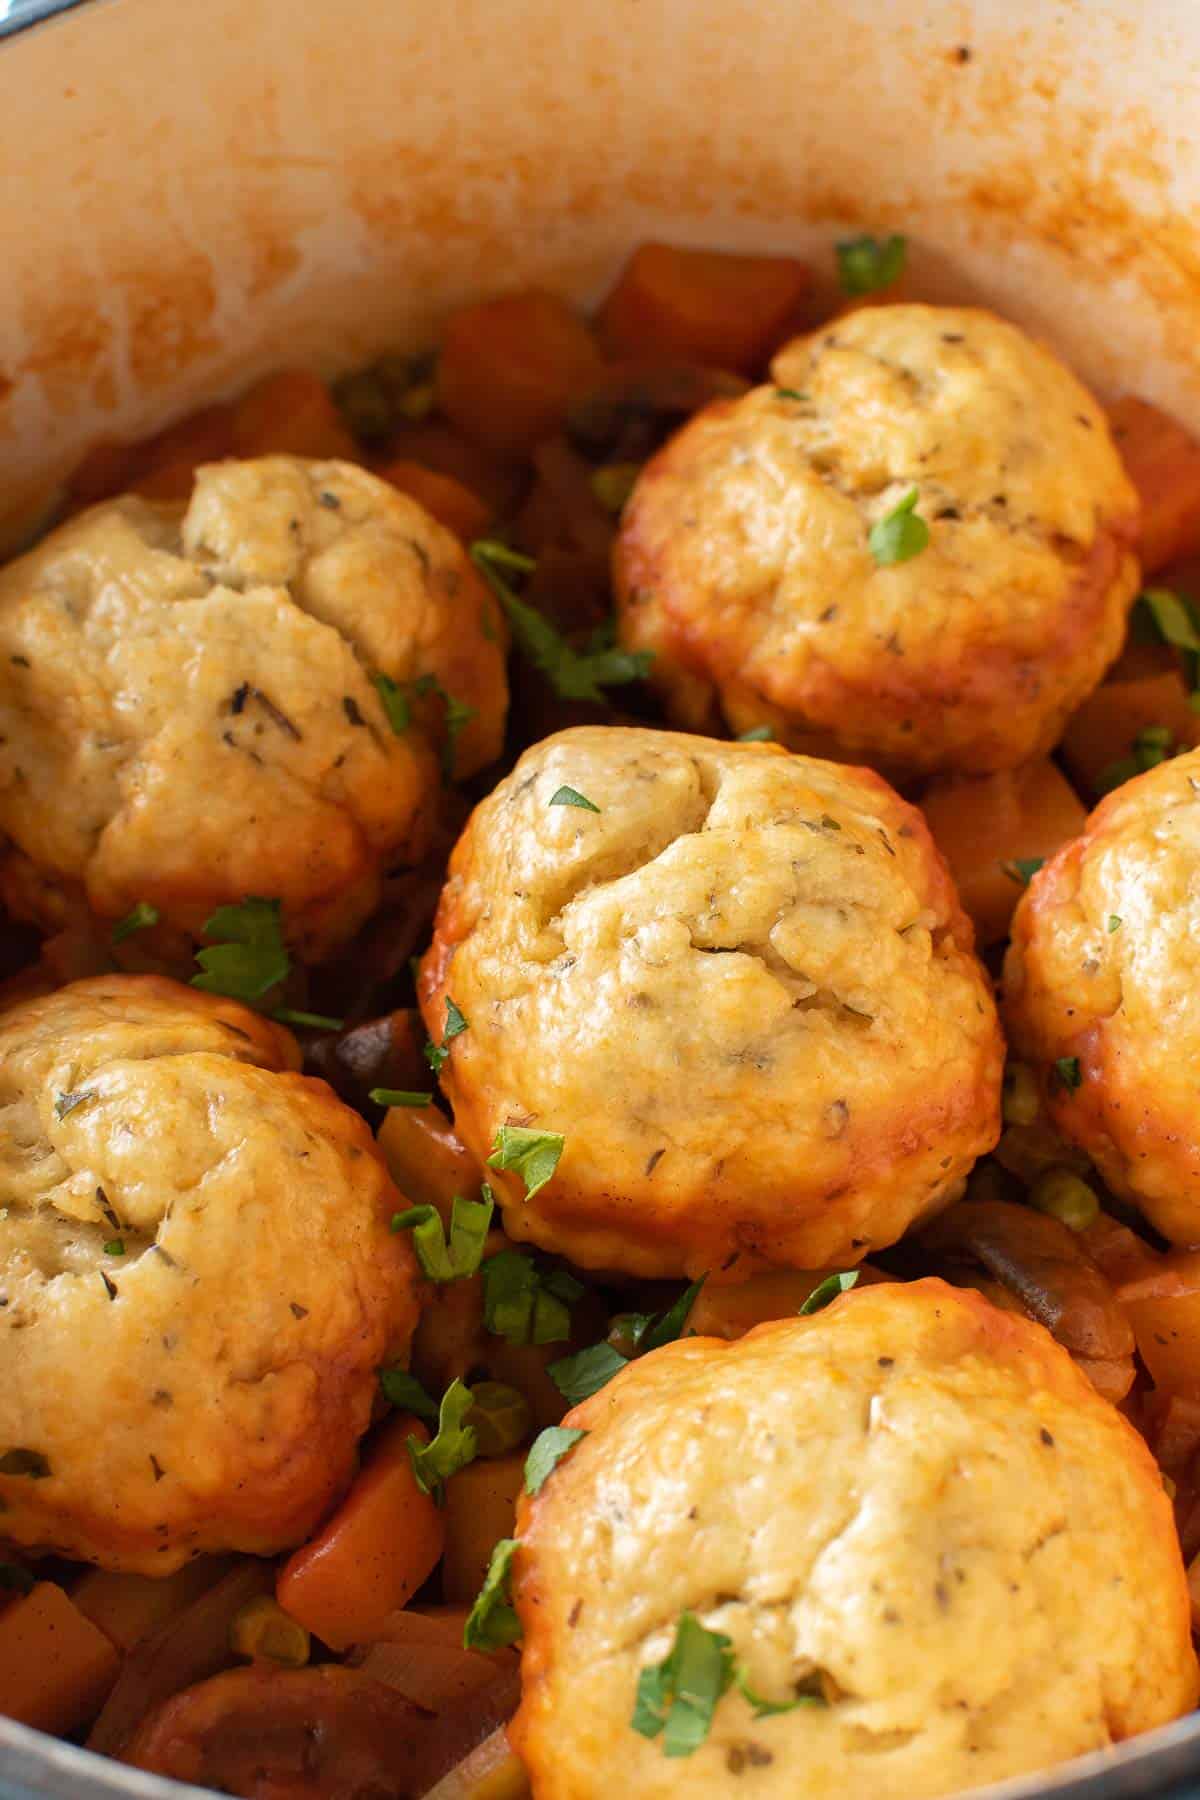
(189, 705)
(744, 559)
(911, 1506)
(738, 983)
(1102, 992)
(198, 1282)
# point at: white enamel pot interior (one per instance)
(194, 193)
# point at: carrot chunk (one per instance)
(508, 369)
(383, 1541)
(990, 828)
(1106, 728)
(55, 1666)
(450, 502)
(704, 305)
(1163, 460)
(290, 413)
(1164, 1310)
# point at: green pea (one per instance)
(1021, 1102)
(1063, 1195)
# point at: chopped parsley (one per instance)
(1152, 746)
(758, 734)
(769, 1709)
(405, 1393)
(789, 394)
(459, 1257)
(287, 1015)
(398, 1097)
(436, 1054)
(66, 1103)
(678, 1696)
(533, 1154)
(579, 1376)
(828, 1290)
(249, 956)
(394, 701)
(569, 796)
(901, 534)
(114, 1247)
(1114, 922)
(452, 1448)
(573, 674)
(139, 918)
(458, 716)
(545, 1454)
(1069, 1073)
(492, 1622)
(1022, 869)
(524, 1304)
(866, 264)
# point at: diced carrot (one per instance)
(1107, 725)
(291, 413)
(1163, 460)
(1118, 1253)
(383, 1541)
(481, 1505)
(1164, 1310)
(704, 305)
(985, 825)
(451, 503)
(508, 368)
(127, 1608)
(730, 1312)
(427, 1159)
(497, 480)
(171, 459)
(55, 1666)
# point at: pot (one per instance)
(193, 195)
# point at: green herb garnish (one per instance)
(492, 1622)
(66, 1103)
(139, 918)
(398, 1097)
(613, 484)
(406, 1394)
(524, 1304)
(650, 1331)
(287, 1015)
(828, 1290)
(533, 1154)
(1152, 746)
(545, 1454)
(1022, 869)
(769, 1709)
(866, 264)
(249, 956)
(679, 1695)
(901, 534)
(114, 1247)
(1114, 922)
(436, 1054)
(1068, 1071)
(451, 1449)
(789, 394)
(394, 701)
(758, 734)
(569, 796)
(580, 1376)
(573, 674)
(454, 1260)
